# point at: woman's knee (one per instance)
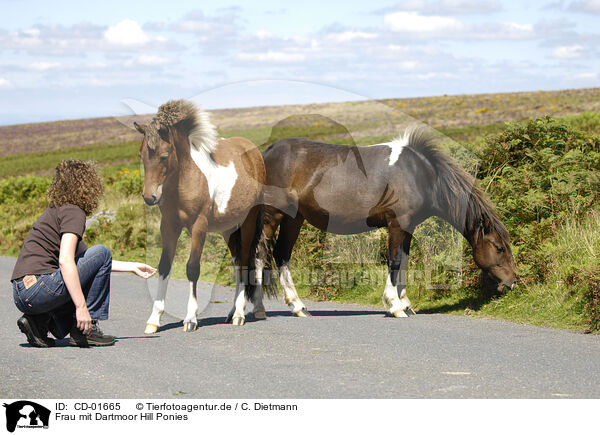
(100, 251)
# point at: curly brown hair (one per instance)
(76, 182)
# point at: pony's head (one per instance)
(492, 253)
(177, 125)
(457, 199)
(159, 158)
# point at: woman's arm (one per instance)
(139, 269)
(68, 269)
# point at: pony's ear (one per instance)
(141, 128)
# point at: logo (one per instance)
(25, 414)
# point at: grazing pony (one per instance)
(201, 183)
(348, 190)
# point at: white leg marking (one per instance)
(158, 308)
(257, 300)
(237, 313)
(397, 306)
(190, 322)
(289, 290)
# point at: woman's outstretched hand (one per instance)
(143, 270)
(140, 269)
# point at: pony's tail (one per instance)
(261, 251)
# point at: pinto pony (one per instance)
(348, 190)
(202, 183)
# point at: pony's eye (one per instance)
(164, 157)
(164, 134)
(500, 249)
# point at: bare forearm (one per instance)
(139, 269)
(122, 266)
(68, 269)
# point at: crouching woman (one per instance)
(61, 285)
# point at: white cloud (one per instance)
(503, 31)
(5, 84)
(272, 56)
(450, 7)
(352, 35)
(44, 66)
(586, 6)
(154, 60)
(587, 76)
(437, 26)
(407, 65)
(469, 6)
(264, 34)
(568, 52)
(437, 75)
(126, 33)
(427, 25)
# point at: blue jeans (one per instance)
(50, 295)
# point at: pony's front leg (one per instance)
(198, 232)
(394, 296)
(169, 235)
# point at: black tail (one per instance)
(261, 249)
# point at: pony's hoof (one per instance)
(238, 321)
(260, 315)
(150, 328)
(302, 313)
(399, 313)
(190, 327)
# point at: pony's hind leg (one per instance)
(236, 315)
(394, 296)
(169, 236)
(250, 260)
(288, 234)
(259, 310)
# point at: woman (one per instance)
(59, 284)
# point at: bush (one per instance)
(126, 182)
(23, 189)
(540, 174)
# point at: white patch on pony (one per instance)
(221, 179)
(397, 146)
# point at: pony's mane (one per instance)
(455, 192)
(193, 121)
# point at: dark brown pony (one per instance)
(348, 190)
(201, 183)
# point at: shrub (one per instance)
(24, 188)
(540, 174)
(126, 182)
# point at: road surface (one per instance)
(343, 351)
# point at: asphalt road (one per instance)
(343, 351)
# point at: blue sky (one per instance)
(62, 60)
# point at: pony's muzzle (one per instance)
(154, 198)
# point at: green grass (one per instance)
(35, 163)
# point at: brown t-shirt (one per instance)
(39, 254)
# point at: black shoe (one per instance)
(35, 329)
(94, 338)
